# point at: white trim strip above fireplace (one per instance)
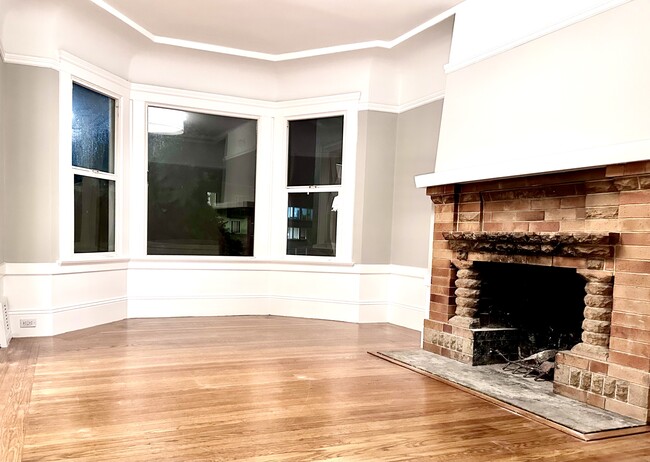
(574, 160)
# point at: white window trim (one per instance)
(187, 101)
(76, 71)
(347, 106)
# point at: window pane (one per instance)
(313, 231)
(93, 121)
(201, 183)
(94, 215)
(315, 151)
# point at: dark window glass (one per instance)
(93, 120)
(201, 183)
(315, 151)
(94, 218)
(312, 231)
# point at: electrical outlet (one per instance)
(28, 323)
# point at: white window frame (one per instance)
(343, 105)
(76, 71)
(144, 96)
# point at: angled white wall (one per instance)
(577, 97)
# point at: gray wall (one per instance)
(376, 156)
(417, 143)
(30, 114)
(392, 218)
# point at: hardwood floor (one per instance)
(255, 388)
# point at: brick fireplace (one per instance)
(579, 243)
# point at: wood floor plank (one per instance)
(260, 388)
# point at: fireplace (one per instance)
(557, 261)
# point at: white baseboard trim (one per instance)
(60, 300)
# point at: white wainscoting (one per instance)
(63, 298)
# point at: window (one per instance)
(93, 158)
(201, 183)
(315, 161)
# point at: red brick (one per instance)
(632, 293)
(630, 279)
(626, 409)
(635, 239)
(631, 320)
(635, 197)
(570, 392)
(444, 208)
(503, 216)
(444, 299)
(441, 317)
(572, 225)
(635, 224)
(633, 266)
(560, 214)
(627, 360)
(545, 204)
(595, 400)
(431, 348)
(570, 262)
(572, 360)
(632, 306)
(629, 252)
(630, 333)
(601, 226)
(443, 189)
(447, 328)
(470, 207)
(629, 347)
(599, 200)
(469, 197)
(615, 170)
(633, 168)
(429, 324)
(634, 211)
(631, 375)
(474, 227)
(536, 215)
(545, 227)
(572, 202)
(598, 367)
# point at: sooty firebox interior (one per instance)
(524, 309)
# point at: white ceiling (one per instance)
(279, 29)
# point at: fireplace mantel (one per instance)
(589, 245)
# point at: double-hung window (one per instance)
(315, 161)
(93, 166)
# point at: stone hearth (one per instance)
(595, 222)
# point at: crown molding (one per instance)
(272, 57)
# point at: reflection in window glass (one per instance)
(201, 183)
(315, 151)
(312, 232)
(93, 119)
(94, 218)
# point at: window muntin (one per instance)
(201, 178)
(93, 167)
(314, 170)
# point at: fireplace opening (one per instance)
(525, 309)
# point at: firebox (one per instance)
(525, 309)
(556, 261)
